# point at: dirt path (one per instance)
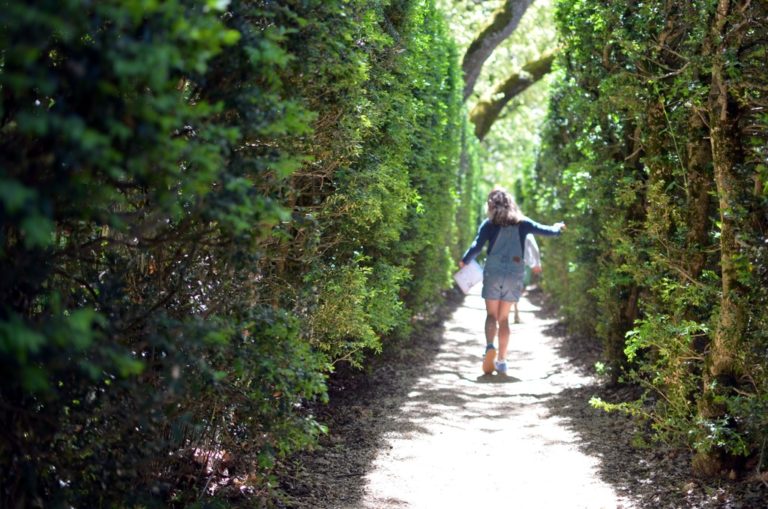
(423, 428)
(472, 440)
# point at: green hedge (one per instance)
(657, 140)
(203, 207)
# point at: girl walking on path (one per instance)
(505, 231)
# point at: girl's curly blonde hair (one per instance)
(502, 209)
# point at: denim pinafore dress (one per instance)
(504, 267)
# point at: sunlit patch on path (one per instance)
(474, 440)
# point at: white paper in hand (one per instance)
(469, 276)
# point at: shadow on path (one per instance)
(423, 428)
(651, 475)
(360, 413)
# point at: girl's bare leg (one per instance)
(492, 310)
(503, 320)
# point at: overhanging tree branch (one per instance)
(485, 113)
(504, 22)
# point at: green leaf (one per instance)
(127, 365)
(18, 340)
(34, 379)
(14, 195)
(81, 324)
(38, 231)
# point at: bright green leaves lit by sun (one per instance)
(509, 151)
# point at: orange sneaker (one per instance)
(489, 359)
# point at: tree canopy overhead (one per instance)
(502, 24)
(510, 131)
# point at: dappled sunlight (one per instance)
(464, 439)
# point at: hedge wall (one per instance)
(203, 207)
(657, 140)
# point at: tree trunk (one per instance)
(627, 295)
(699, 160)
(722, 365)
(504, 22)
(485, 113)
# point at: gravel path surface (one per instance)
(423, 428)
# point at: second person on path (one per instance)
(505, 231)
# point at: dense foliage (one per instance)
(656, 153)
(203, 207)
